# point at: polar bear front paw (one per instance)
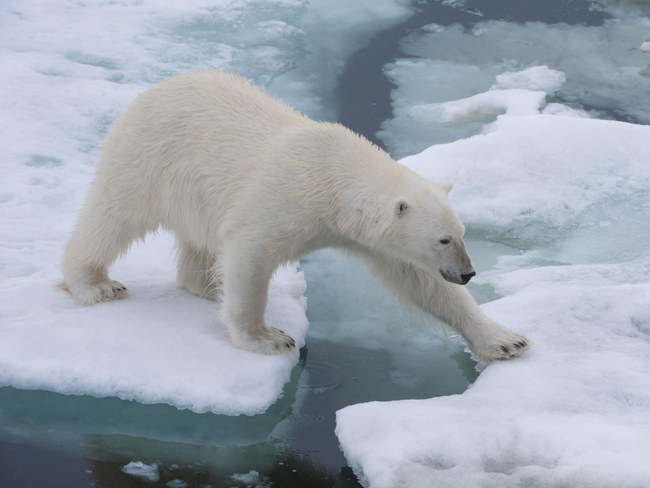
(268, 341)
(91, 294)
(502, 345)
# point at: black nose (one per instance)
(467, 277)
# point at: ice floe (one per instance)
(146, 472)
(574, 192)
(573, 412)
(251, 479)
(160, 345)
(535, 177)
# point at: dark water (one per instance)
(48, 439)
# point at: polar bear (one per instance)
(246, 184)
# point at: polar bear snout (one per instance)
(458, 277)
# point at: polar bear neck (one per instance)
(362, 184)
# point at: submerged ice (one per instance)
(603, 66)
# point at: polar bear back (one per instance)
(201, 114)
(204, 153)
(190, 145)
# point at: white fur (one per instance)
(247, 184)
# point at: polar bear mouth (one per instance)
(449, 277)
(461, 279)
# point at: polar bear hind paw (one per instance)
(270, 341)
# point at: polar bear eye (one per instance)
(444, 241)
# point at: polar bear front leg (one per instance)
(488, 340)
(452, 304)
(246, 281)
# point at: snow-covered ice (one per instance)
(480, 108)
(530, 175)
(146, 472)
(574, 411)
(622, 8)
(159, 345)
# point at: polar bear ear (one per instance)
(401, 207)
(447, 187)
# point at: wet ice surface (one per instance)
(73, 75)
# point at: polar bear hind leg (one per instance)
(102, 234)
(198, 271)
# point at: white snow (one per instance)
(574, 410)
(645, 47)
(146, 472)
(537, 172)
(433, 28)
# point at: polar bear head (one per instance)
(427, 232)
